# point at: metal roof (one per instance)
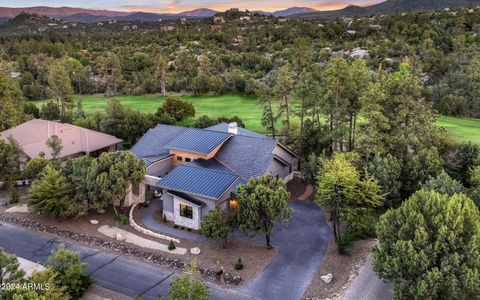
(198, 181)
(198, 140)
(187, 198)
(152, 145)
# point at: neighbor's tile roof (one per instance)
(32, 137)
(198, 181)
(223, 127)
(247, 156)
(198, 140)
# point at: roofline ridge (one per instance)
(212, 170)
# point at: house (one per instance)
(218, 19)
(33, 135)
(167, 28)
(192, 171)
(215, 27)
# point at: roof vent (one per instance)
(233, 128)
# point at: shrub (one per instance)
(122, 219)
(239, 265)
(50, 195)
(175, 226)
(13, 196)
(171, 246)
(71, 272)
(164, 218)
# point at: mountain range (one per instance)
(390, 7)
(90, 15)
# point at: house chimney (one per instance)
(233, 128)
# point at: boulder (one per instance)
(94, 222)
(327, 278)
(101, 211)
(195, 251)
(120, 237)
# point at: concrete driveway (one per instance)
(302, 246)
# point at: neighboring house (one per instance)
(33, 135)
(192, 170)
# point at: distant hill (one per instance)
(293, 11)
(199, 13)
(390, 7)
(11, 12)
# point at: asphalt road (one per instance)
(126, 276)
(367, 286)
(302, 246)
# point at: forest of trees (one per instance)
(443, 49)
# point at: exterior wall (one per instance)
(287, 156)
(191, 155)
(171, 208)
(193, 223)
(160, 168)
(276, 168)
(131, 198)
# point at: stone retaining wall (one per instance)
(146, 231)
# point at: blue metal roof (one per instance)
(197, 181)
(210, 164)
(198, 140)
(152, 145)
(223, 127)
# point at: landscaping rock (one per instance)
(120, 237)
(119, 248)
(101, 211)
(195, 251)
(327, 278)
(94, 222)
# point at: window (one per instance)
(179, 158)
(188, 159)
(186, 211)
(136, 189)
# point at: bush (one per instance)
(71, 272)
(122, 219)
(239, 265)
(171, 246)
(164, 218)
(13, 196)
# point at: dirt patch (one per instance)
(254, 255)
(96, 292)
(344, 268)
(300, 191)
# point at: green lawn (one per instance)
(462, 129)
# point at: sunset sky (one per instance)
(182, 5)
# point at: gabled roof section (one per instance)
(198, 181)
(151, 146)
(32, 136)
(247, 156)
(199, 141)
(223, 127)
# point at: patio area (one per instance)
(150, 218)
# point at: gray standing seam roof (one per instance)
(198, 140)
(197, 181)
(247, 156)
